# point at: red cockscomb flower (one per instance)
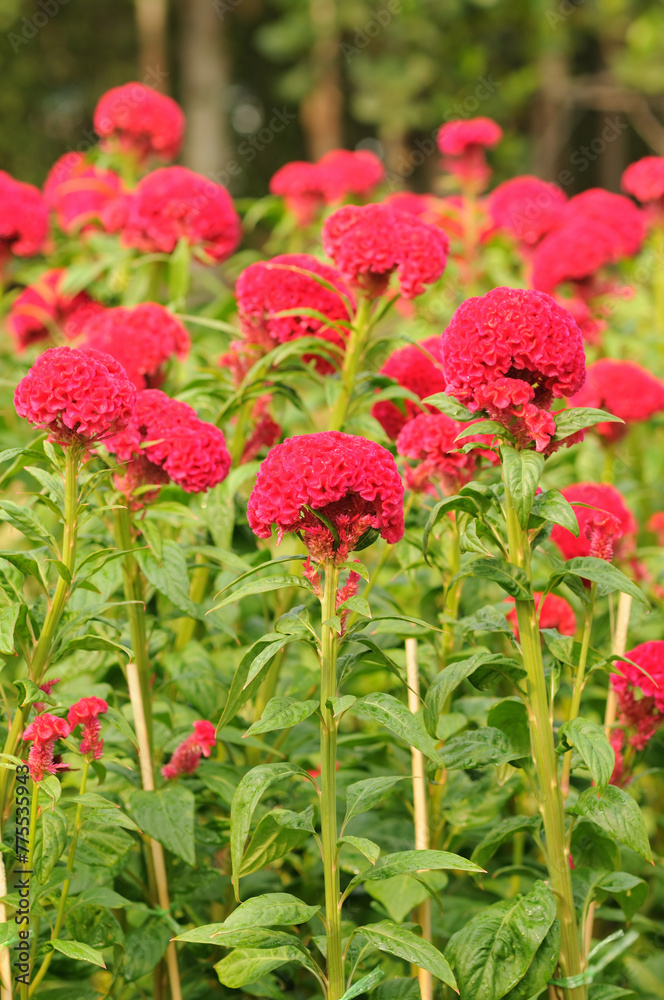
(346, 172)
(527, 207)
(430, 439)
(298, 183)
(624, 389)
(187, 756)
(573, 253)
(80, 192)
(645, 179)
(286, 282)
(43, 733)
(408, 201)
(369, 242)
(353, 484)
(596, 530)
(23, 218)
(142, 338)
(555, 612)
(463, 143)
(656, 525)
(174, 203)
(140, 121)
(78, 395)
(166, 440)
(86, 713)
(42, 310)
(411, 368)
(626, 222)
(509, 353)
(640, 691)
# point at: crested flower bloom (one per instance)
(408, 201)
(656, 525)
(287, 282)
(23, 218)
(430, 439)
(645, 180)
(555, 612)
(86, 713)
(367, 243)
(624, 389)
(574, 253)
(606, 525)
(142, 338)
(463, 143)
(626, 221)
(332, 489)
(80, 193)
(43, 732)
(510, 353)
(187, 756)
(174, 203)
(166, 440)
(42, 311)
(527, 207)
(307, 187)
(141, 121)
(640, 690)
(78, 395)
(298, 183)
(411, 368)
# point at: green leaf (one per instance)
(602, 991)
(450, 407)
(396, 940)
(511, 717)
(167, 815)
(8, 618)
(179, 274)
(25, 520)
(449, 679)
(522, 471)
(361, 796)
(28, 692)
(271, 909)
(246, 965)
(444, 507)
(590, 741)
(478, 748)
(340, 705)
(101, 847)
(79, 951)
(500, 834)
(495, 949)
(364, 984)
(264, 586)
(50, 842)
(630, 891)
(145, 947)
(247, 795)
(552, 506)
(27, 563)
(254, 662)
(370, 850)
(579, 417)
(541, 969)
(615, 811)
(511, 578)
(169, 575)
(94, 642)
(282, 713)
(409, 862)
(608, 576)
(398, 718)
(118, 720)
(278, 833)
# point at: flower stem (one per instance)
(60, 916)
(546, 764)
(328, 801)
(579, 681)
(356, 342)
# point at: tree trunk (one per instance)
(321, 110)
(152, 25)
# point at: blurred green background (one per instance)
(578, 85)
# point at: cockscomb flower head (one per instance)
(298, 183)
(187, 756)
(166, 440)
(86, 713)
(626, 222)
(174, 203)
(80, 193)
(367, 243)
(618, 530)
(42, 311)
(527, 207)
(289, 281)
(79, 395)
(645, 180)
(141, 121)
(331, 488)
(346, 172)
(463, 143)
(411, 368)
(43, 732)
(555, 612)
(142, 338)
(23, 218)
(430, 439)
(656, 525)
(509, 353)
(640, 690)
(623, 388)
(573, 253)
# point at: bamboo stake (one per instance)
(420, 807)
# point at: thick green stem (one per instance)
(60, 916)
(328, 801)
(197, 587)
(453, 592)
(579, 681)
(546, 764)
(352, 357)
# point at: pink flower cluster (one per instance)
(139, 120)
(86, 713)
(307, 187)
(142, 338)
(640, 690)
(23, 218)
(463, 143)
(187, 755)
(45, 730)
(623, 388)
(527, 207)
(555, 612)
(430, 439)
(331, 488)
(81, 193)
(606, 525)
(42, 311)
(509, 353)
(367, 243)
(78, 395)
(411, 368)
(645, 180)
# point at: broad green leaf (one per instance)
(145, 946)
(282, 713)
(552, 506)
(608, 576)
(167, 815)
(93, 642)
(169, 576)
(361, 796)
(398, 718)
(478, 748)
(522, 471)
(602, 991)
(79, 951)
(630, 891)
(450, 407)
(616, 812)
(449, 679)
(241, 689)
(50, 842)
(246, 965)
(579, 417)
(8, 618)
(511, 578)
(400, 895)
(28, 563)
(444, 507)
(589, 739)
(278, 833)
(511, 717)
(340, 705)
(502, 833)
(28, 692)
(247, 795)
(25, 520)
(541, 968)
(263, 586)
(409, 862)
(366, 847)
(495, 949)
(396, 940)
(272, 909)
(364, 985)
